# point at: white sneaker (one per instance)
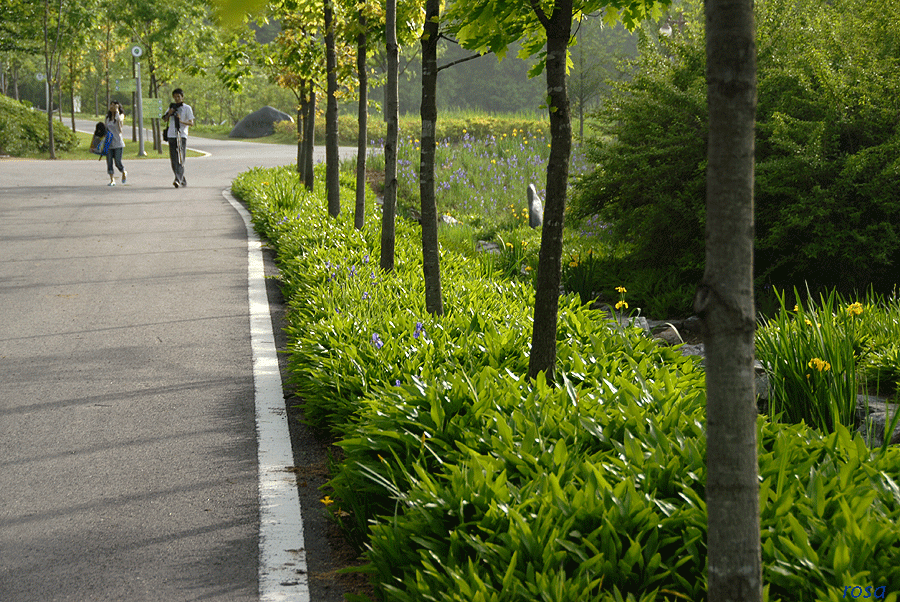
(124, 176)
(113, 183)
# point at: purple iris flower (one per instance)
(376, 340)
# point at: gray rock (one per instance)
(259, 123)
(875, 415)
(483, 246)
(535, 207)
(634, 322)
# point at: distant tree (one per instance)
(159, 27)
(62, 22)
(295, 60)
(597, 58)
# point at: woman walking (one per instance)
(115, 120)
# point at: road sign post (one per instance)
(136, 52)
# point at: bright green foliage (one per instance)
(483, 25)
(466, 482)
(826, 151)
(829, 508)
(24, 131)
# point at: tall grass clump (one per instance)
(811, 355)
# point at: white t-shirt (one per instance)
(184, 112)
(114, 126)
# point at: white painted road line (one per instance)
(282, 554)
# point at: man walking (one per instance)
(182, 116)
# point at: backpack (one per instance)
(101, 140)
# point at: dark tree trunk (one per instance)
(431, 259)
(724, 303)
(546, 300)
(332, 160)
(301, 130)
(309, 139)
(300, 146)
(359, 215)
(392, 116)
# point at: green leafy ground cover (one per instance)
(462, 481)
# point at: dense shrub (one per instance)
(827, 148)
(23, 131)
(465, 482)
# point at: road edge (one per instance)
(283, 572)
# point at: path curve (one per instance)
(128, 449)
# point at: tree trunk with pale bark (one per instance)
(724, 303)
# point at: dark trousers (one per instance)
(177, 147)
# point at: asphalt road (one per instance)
(128, 459)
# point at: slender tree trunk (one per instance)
(72, 88)
(392, 116)
(724, 303)
(155, 122)
(301, 129)
(359, 215)
(49, 55)
(581, 94)
(332, 160)
(59, 92)
(546, 300)
(431, 258)
(106, 57)
(309, 139)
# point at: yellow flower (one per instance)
(464, 130)
(509, 245)
(855, 308)
(573, 264)
(621, 289)
(818, 364)
(622, 304)
(527, 268)
(327, 500)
